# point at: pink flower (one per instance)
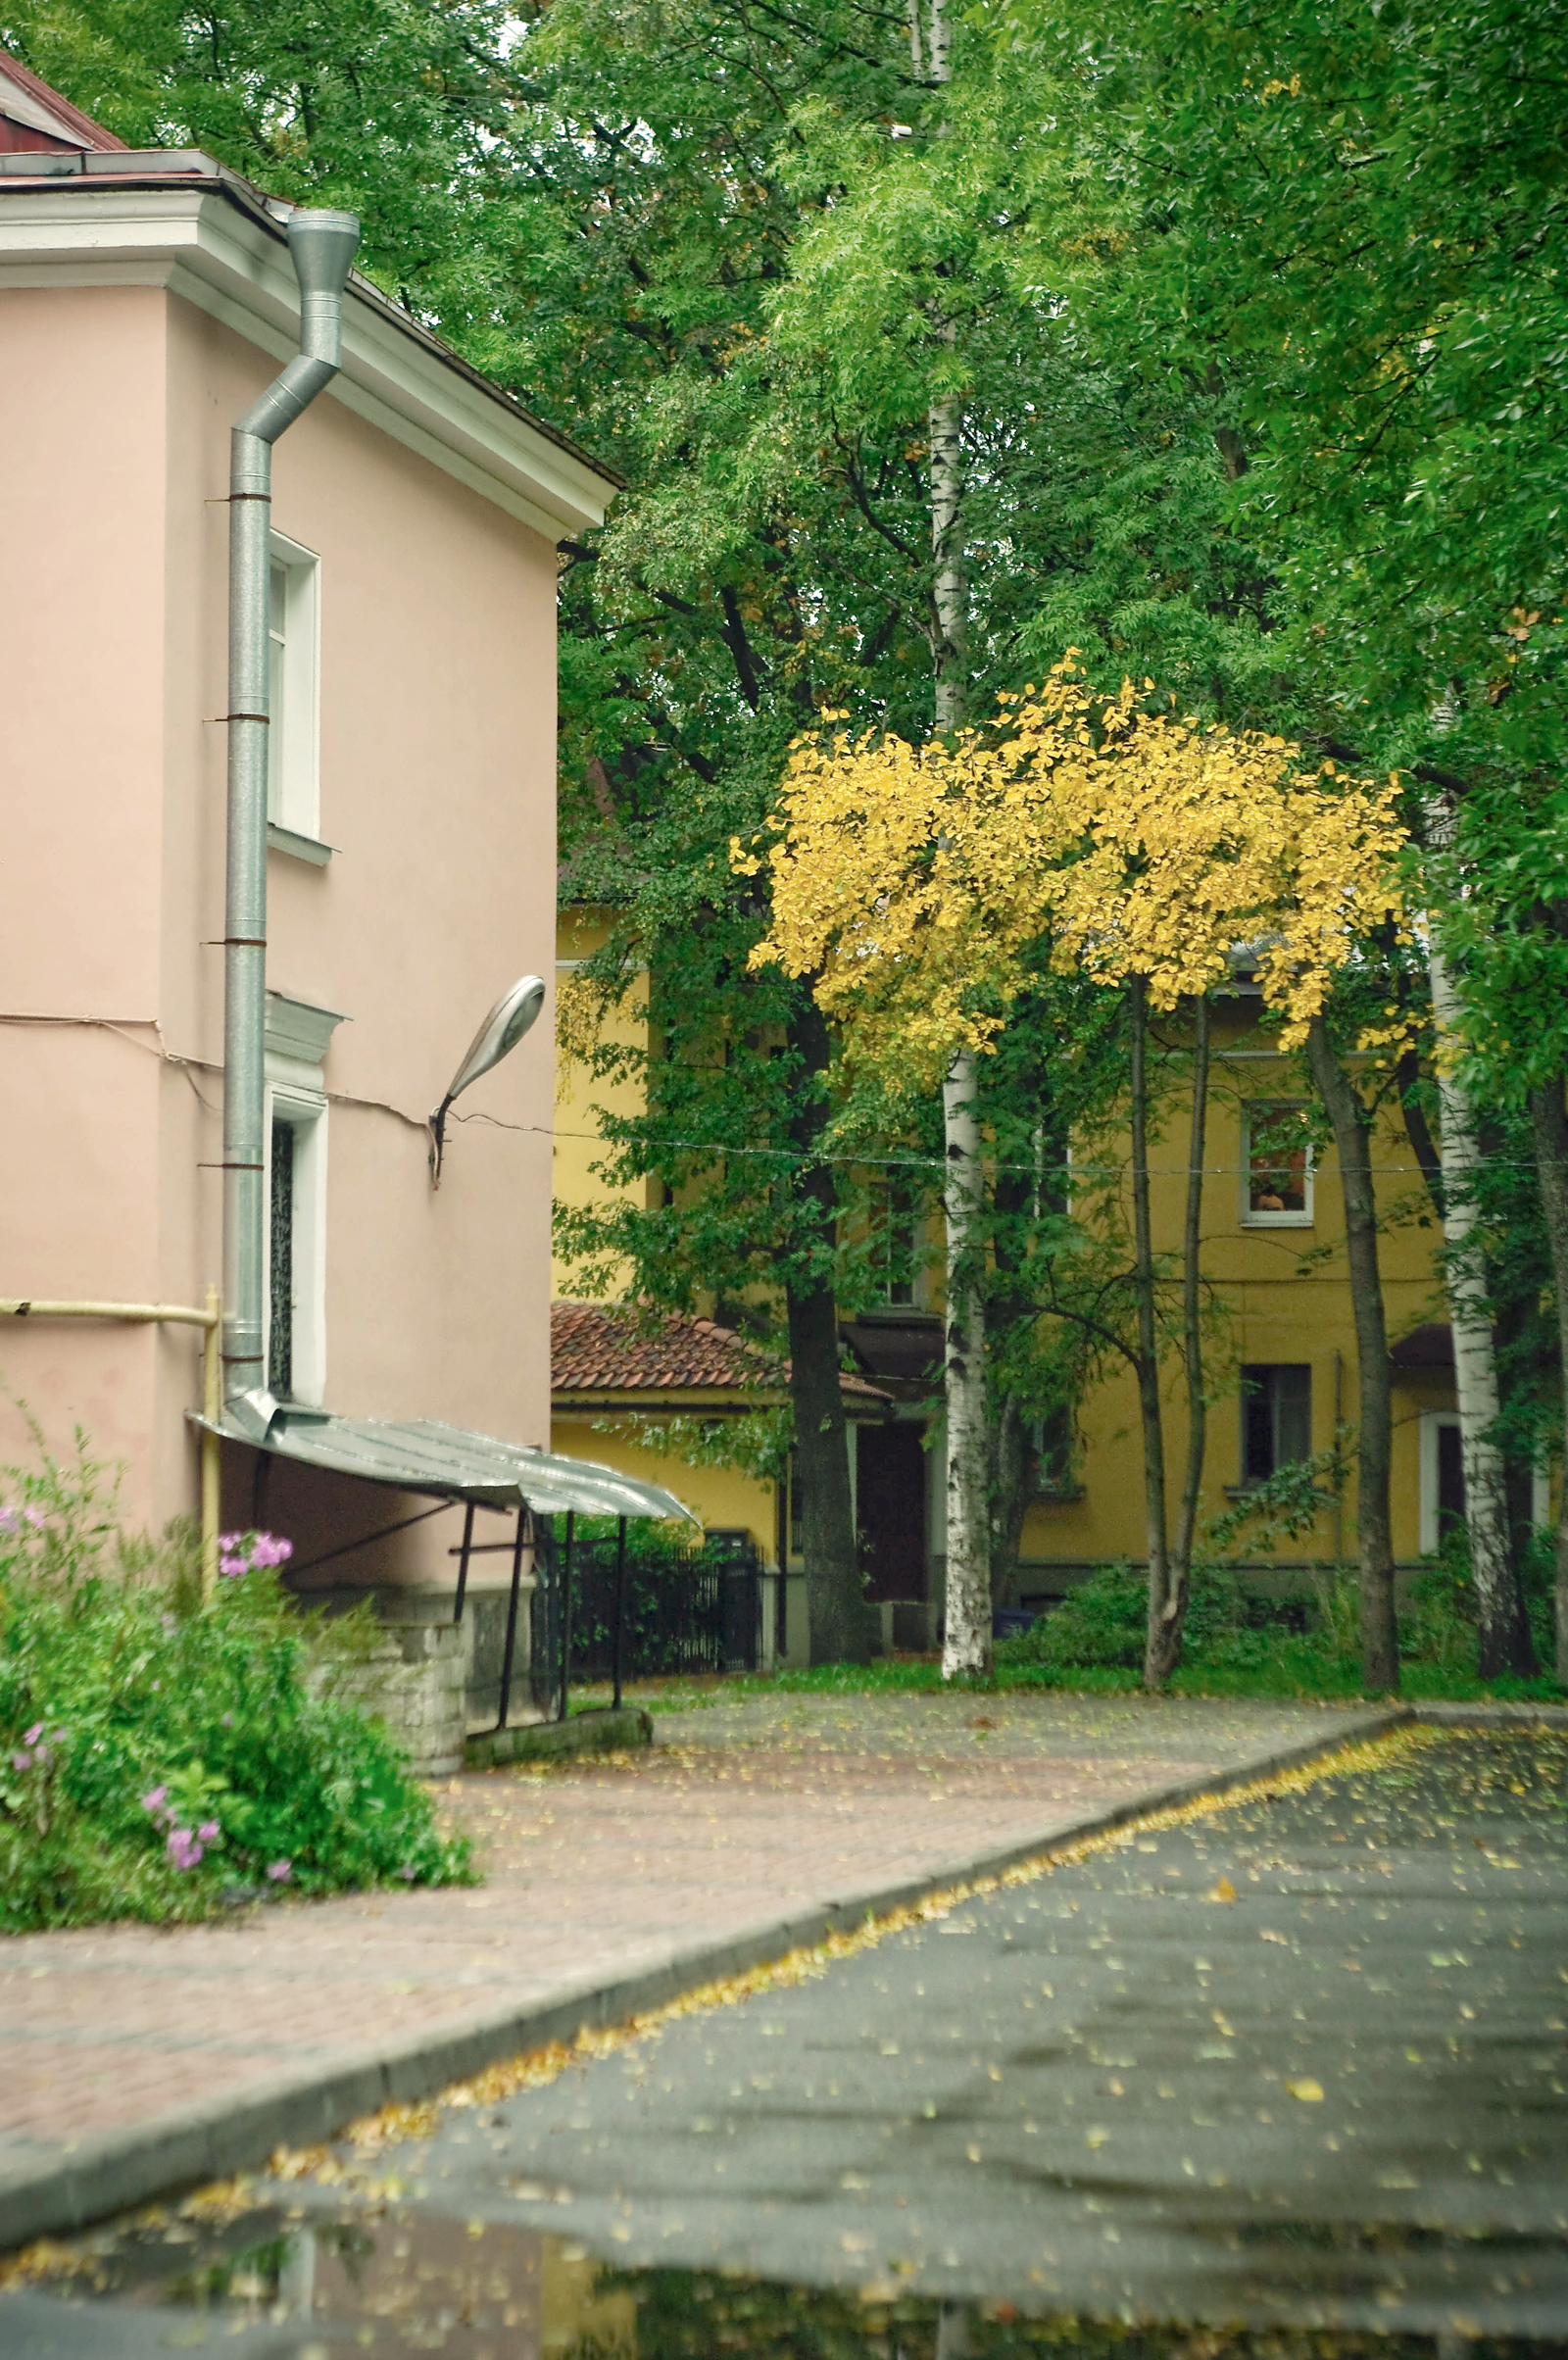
(229, 1566)
(281, 1871)
(183, 1849)
(230, 1540)
(9, 1520)
(35, 1517)
(22, 1761)
(208, 1830)
(154, 1800)
(269, 1549)
(30, 1736)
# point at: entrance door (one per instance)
(889, 1497)
(1442, 1478)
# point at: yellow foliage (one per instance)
(911, 880)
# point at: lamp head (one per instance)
(504, 1027)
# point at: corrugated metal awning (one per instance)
(450, 1462)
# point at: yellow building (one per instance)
(1281, 1361)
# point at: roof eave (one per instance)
(207, 234)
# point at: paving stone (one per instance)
(743, 1817)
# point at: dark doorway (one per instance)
(1450, 1482)
(890, 1499)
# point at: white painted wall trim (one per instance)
(198, 242)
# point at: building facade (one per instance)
(146, 300)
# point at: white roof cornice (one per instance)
(204, 241)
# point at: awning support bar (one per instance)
(347, 1548)
(512, 1615)
(463, 1556)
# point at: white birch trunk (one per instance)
(966, 1629)
(1499, 1610)
(1475, 1359)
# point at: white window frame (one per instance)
(1433, 1422)
(294, 737)
(296, 1098)
(1272, 1220)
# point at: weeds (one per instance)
(161, 1753)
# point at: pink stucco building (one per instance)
(145, 301)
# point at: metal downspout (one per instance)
(322, 247)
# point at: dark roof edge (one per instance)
(98, 134)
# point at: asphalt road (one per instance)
(1298, 2063)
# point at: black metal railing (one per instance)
(609, 1607)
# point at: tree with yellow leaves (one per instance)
(1146, 846)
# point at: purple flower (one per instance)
(269, 1549)
(230, 1540)
(154, 1802)
(183, 1849)
(10, 1521)
(35, 1517)
(208, 1830)
(229, 1566)
(30, 1736)
(22, 1761)
(281, 1871)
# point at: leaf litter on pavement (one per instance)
(1354, 1793)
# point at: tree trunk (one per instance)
(1380, 1629)
(835, 1592)
(1506, 1644)
(1148, 1356)
(1011, 1466)
(1550, 1119)
(1164, 1644)
(966, 1629)
(835, 1589)
(966, 1639)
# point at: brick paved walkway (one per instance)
(743, 1813)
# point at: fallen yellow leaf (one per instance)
(1224, 1890)
(1310, 2092)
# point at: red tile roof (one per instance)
(615, 1347)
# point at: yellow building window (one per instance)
(1276, 1166)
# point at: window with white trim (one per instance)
(293, 642)
(897, 1242)
(1276, 1417)
(295, 1311)
(1276, 1166)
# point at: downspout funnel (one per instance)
(322, 247)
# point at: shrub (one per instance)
(161, 1753)
(1102, 1624)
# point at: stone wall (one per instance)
(431, 1680)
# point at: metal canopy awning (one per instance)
(450, 1462)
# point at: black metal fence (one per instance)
(680, 1608)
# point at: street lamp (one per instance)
(500, 1032)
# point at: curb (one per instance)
(605, 1732)
(211, 2142)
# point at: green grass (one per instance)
(1235, 1645)
(1300, 1673)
